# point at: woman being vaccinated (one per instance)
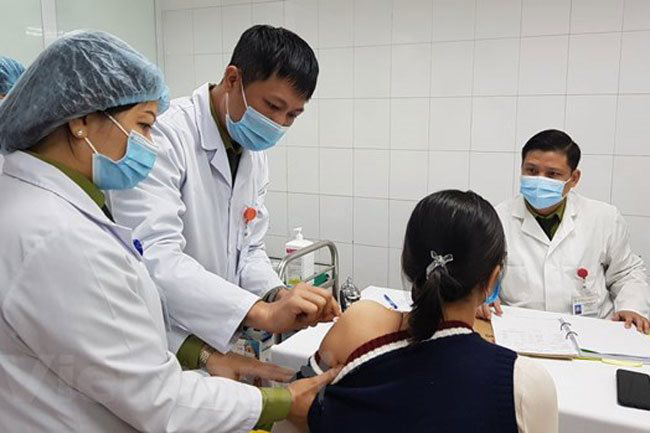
(427, 370)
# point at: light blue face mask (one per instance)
(254, 131)
(495, 293)
(541, 192)
(135, 165)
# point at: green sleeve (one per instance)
(276, 404)
(188, 353)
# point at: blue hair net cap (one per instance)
(78, 74)
(10, 70)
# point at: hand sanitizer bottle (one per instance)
(302, 268)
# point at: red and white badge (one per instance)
(586, 301)
(250, 213)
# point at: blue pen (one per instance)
(390, 302)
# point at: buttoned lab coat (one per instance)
(543, 274)
(189, 216)
(82, 337)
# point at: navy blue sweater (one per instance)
(458, 383)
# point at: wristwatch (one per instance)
(204, 355)
(272, 295)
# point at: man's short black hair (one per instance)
(265, 50)
(553, 140)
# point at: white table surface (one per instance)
(586, 389)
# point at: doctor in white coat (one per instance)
(568, 253)
(82, 336)
(201, 214)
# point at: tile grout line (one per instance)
(471, 103)
(521, 40)
(618, 103)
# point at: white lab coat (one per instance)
(542, 274)
(82, 337)
(209, 265)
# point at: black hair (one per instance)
(263, 51)
(454, 222)
(553, 140)
(116, 110)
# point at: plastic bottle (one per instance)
(302, 268)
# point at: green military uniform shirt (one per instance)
(549, 223)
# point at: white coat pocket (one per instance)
(516, 289)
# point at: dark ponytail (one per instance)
(463, 225)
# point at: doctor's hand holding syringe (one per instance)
(302, 306)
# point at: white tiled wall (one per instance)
(419, 95)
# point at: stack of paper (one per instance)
(564, 336)
(609, 339)
(533, 336)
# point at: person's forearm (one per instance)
(257, 275)
(276, 404)
(633, 294)
(213, 312)
(189, 352)
(257, 316)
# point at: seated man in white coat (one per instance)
(201, 216)
(568, 253)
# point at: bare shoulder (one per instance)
(360, 323)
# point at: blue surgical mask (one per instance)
(254, 131)
(541, 192)
(495, 293)
(135, 165)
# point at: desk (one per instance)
(586, 389)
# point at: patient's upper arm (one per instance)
(360, 323)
